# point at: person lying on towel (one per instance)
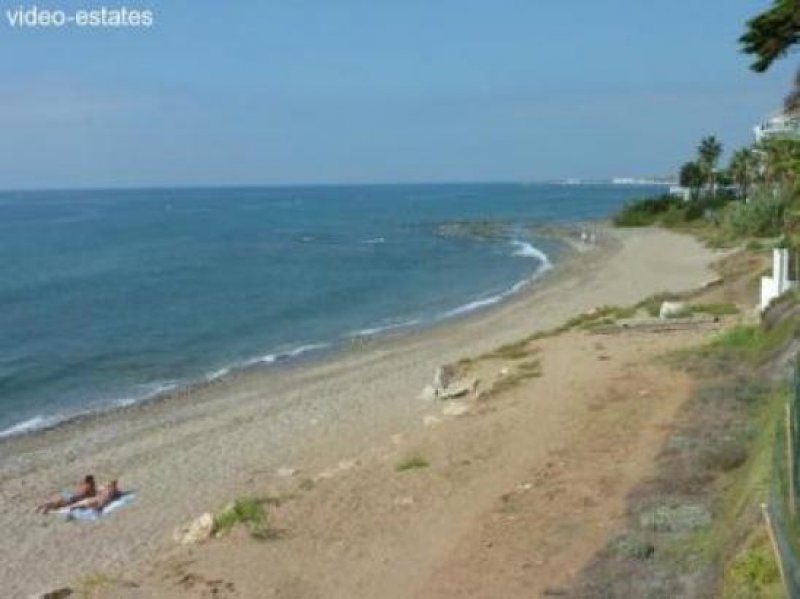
(107, 494)
(86, 489)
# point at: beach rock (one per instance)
(459, 389)
(442, 377)
(197, 531)
(455, 408)
(54, 594)
(455, 391)
(429, 393)
(672, 310)
(430, 421)
(346, 464)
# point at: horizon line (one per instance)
(189, 186)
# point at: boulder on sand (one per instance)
(197, 531)
(672, 310)
(429, 393)
(442, 377)
(455, 408)
(60, 593)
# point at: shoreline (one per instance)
(194, 451)
(308, 354)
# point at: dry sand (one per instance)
(364, 529)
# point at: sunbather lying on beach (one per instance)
(106, 495)
(86, 489)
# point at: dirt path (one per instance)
(517, 496)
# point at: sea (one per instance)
(110, 297)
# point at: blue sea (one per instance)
(111, 297)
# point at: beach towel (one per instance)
(90, 514)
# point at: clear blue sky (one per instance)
(296, 91)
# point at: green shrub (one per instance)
(739, 337)
(752, 572)
(245, 510)
(641, 213)
(715, 309)
(763, 217)
(414, 462)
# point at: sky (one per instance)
(376, 91)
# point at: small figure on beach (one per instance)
(86, 489)
(107, 494)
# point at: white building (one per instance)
(779, 125)
(779, 283)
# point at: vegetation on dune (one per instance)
(414, 462)
(695, 526)
(249, 512)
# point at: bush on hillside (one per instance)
(763, 217)
(668, 210)
(641, 213)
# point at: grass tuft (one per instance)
(715, 309)
(414, 462)
(248, 511)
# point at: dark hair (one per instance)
(89, 479)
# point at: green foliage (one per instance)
(511, 351)
(741, 337)
(754, 573)
(781, 157)
(668, 211)
(771, 34)
(645, 212)
(762, 217)
(692, 176)
(714, 309)
(414, 462)
(743, 169)
(248, 511)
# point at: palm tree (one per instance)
(691, 177)
(772, 33)
(782, 161)
(791, 103)
(708, 153)
(743, 169)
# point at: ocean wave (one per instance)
(524, 249)
(528, 250)
(374, 240)
(31, 424)
(266, 359)
(151, 391)
(368, 332)
(41, 422)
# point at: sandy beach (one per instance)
(342, 423)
